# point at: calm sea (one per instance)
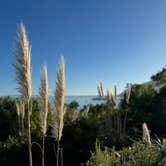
(82, 100)
(85, 100)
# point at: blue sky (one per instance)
(116, 41)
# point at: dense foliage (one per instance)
(138, 154)
(118, 131)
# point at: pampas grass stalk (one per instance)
(43, 103)
(128, 93)
(115, 91)
(22, 115)
(18, 111)
(108, 96)
(23, 75)
(59, 110)
(101, 89)
(127, 98)
(146, 134)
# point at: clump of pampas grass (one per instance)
(43, 104)
(59, 110)
(23, 75)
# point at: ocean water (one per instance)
(83, 100)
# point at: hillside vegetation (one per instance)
(96, 135)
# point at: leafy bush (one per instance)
(140, 154)
(99, 157)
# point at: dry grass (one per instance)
(59, 110)
(101, 89)
(23, 75)
(59, 96)
(43, 104)
(146, 134)
(128, 93)
(23, 63)
(43, 100)
(20, 109)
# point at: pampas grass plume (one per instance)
(59, 97)
(23, 75)
(43, 100)
(128, 93)
(146, 134)
(23, 63)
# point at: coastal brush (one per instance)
(23, 75)
(59, 110)
(43, 104)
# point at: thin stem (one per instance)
(19, 131)
(29, 135)
(37, 145)
(54, 150)
(61, 156)
(57, 154)
(22, 121)
(43, 147)
(124, 123)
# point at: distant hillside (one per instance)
(158, 80)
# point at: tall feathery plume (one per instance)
(23, 75)
(110, 98)
(101, 88)
(43, 103)
(146, 134)
(59, 110)
(99, 91)
(128, 93)
(127, 98)
(108, 95)
(23, 64)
